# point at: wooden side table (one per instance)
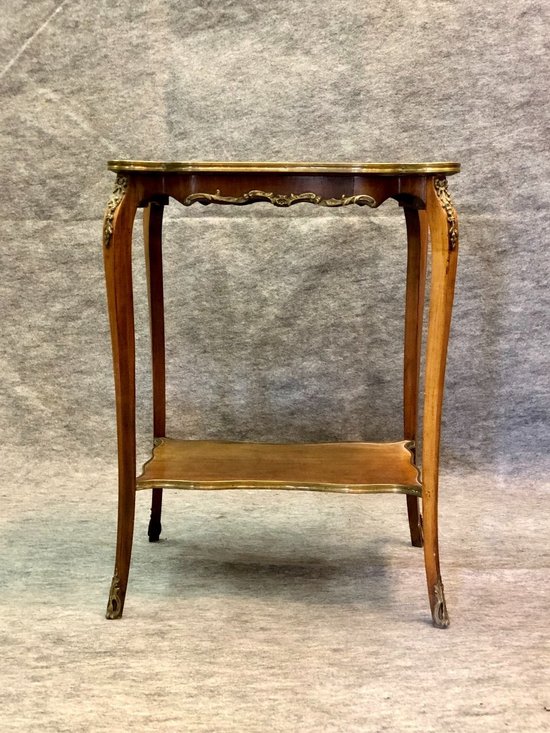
(421, 189)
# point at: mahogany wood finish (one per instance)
(345, 467)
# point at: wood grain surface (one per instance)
(344, 467)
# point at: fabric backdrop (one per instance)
(282, 325)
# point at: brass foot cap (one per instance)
(440, 616)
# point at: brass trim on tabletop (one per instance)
(313, 168)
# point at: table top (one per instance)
(312, 168)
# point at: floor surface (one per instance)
(266, 611)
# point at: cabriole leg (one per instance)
(152, 237)
(417, 241)
(117, 245)
(443, 226)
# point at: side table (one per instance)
(348, 467)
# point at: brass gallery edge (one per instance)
(144, 484)
(309, 167)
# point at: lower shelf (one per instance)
(340, 467)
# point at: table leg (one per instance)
(152, 237)
(443, 226)
(117, 248)
(417, 247)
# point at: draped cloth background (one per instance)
(282, 325)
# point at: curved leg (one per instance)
(152, 237)
(443, 225)
(417, 247)
(117, 246)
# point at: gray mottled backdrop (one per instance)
(282, 325)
